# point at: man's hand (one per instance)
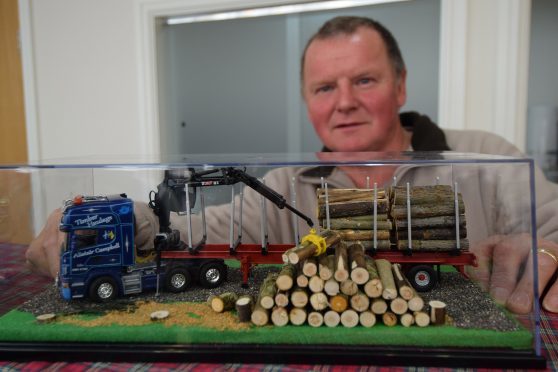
(505, 270)
(43, 254)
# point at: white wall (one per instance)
(85, 77)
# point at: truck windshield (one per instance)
(84, 238)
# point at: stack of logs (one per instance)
(351, 215)
(347, 288)
(433, 218)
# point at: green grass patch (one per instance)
(21, 326)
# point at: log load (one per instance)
(433, 222)
(386, 294)
(351, 214)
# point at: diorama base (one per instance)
(273, 354)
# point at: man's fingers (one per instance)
(484, 252)
(509, 255)
(43, 254)
(548, 263)
(521, 299)
(35, 257)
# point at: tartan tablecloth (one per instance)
(17, 285)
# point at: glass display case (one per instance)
(361, 258)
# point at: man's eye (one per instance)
(324, 89)
(365, 81)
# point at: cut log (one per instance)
(389, 318)
(316, 284)
(352, 208)
(367, 319)
(355, 235)
(360, 302)
(404, 289)
(360, 223)
(339, 303)
(386, 276)
(286, 277)
(440, 233)
(379, 306)
(310, 267)
(373, 288)
(435, 194)
(297, 316)
(430, 222)
(416, 303)
(308, 249)
(268, 291)
(407, 320)
(331, 287)
(326, 266)
(318, 301)
(299, 297)
(433, 245)
(348, 287)
(224, 302)
(381, 245)
(357, 263)
(45, 318)
(159, 315)
(398, 306)
(437, 312)
(315, 319)
(341, 272)
(332, 318)
(349, 318)
(302, 281)
(244, 306)
(340, 195)
(422, 211)
(282, 298)
(280, 316)
(421, 318)
(260, 315)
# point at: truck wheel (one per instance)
(103, 289)
(178, 279)
(212, 274)
(422, 277)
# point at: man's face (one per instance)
(352, 94)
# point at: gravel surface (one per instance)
(467, 304)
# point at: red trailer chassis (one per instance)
(253, 254)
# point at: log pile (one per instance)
(351, 215)
(433, 218)
(347, 288)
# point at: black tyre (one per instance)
(178, 279)
(422, 277)
(103, 289)
(212, 274)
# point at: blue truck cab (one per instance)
(99, 260)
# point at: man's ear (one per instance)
(402, 88)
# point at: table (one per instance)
(17, 285)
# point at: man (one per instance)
(354, 83)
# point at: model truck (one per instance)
(99, 259)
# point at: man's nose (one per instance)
(346, 100)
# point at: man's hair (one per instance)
(348, 25)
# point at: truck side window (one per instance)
(85, 238)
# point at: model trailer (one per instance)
(99, 259)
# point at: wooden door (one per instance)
(15, 193)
